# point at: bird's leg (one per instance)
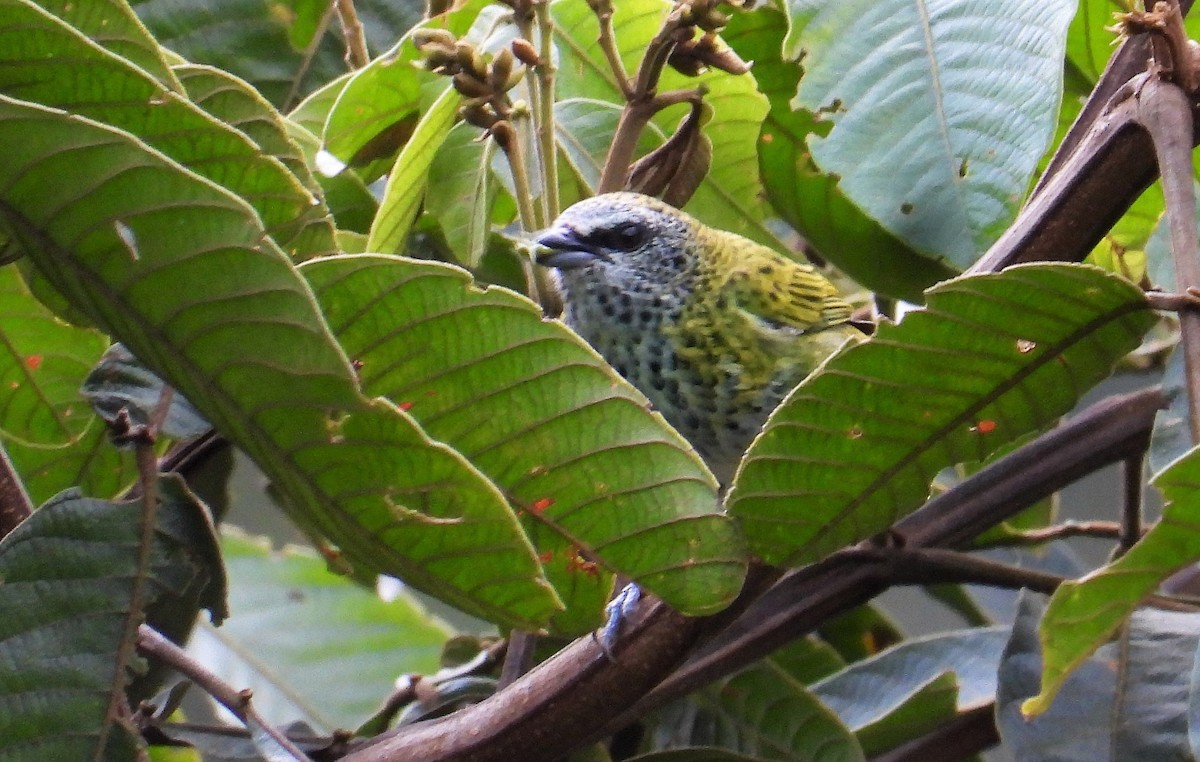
(620, 607)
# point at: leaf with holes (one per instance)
(940, 111)
(598, 478)
(991, 357)
(804, 196)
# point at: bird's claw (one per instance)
(621, 606)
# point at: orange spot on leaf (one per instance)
(33, 362)
(985, 427)
(541, 504)
(405, 406)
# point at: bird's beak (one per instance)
(561, 247)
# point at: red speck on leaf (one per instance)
(985, 427)
(578, 563)
(33, 362)
(541, 504)
(546, 557)
(405, 406)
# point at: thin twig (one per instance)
(608, 44)
(1131, 508)
(938, 566)
(147, 465)
(15, 505)
(310, 52)
(545, 71)
(357, 55)
(518, 658)
(154, 645)
(641, 103)
(1108, 530)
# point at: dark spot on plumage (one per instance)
(721, 303)
(766, 269)
(658, 382)
(691, 420)
(626, 300)
(677, 261)
(608, 309)
(655, 367)
(732, 425)
(646, 316)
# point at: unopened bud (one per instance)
(525, 52)
(505, 135)
(502, 67)
(471, 87)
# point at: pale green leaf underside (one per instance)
(941, 111)
(992, 357)
(535, 409)
(316, 641)
(221, 315)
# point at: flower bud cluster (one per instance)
(483, 83)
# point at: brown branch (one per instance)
(357, 55)
(969, 733)
(1107, 432)
(147, 466)
(15, 505)
(1166, 112)
(518, 657)
(156, 646)
(938, 566)
(1131, 508)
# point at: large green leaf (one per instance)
(805, 197)
(48, 429)
(238, 105)
(113, 25)
(731, 195)
(77, 560)
(46, 61)
(940, 111)
(311, 645)
(761, 712)
(43, 361)
(266, 43)
(222, 316)
(990, 358)
(1084, 613)
(596, 476)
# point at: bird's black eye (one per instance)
(628, 237)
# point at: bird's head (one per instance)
(621, 238)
